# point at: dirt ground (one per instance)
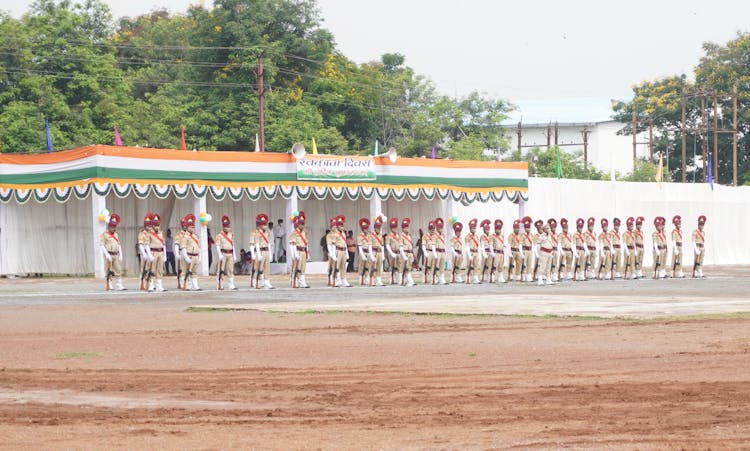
(154, 374)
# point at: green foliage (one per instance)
(644, 172)
(153, 74)
(543, 163)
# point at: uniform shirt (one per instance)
(657, 237)
(514, 241)
(261, 238)
(484, 242)
(363, 241)
(110, 241)
(590, 240)
(179, 239)
(143, 237)
(638, 235)
(629, 239)
(565, 240)
(439, 241)
(406, 241)
(497, 242)
(605, 241)
(699, 236)
(457, 244)
(225, 241)
(579, 241)
(677, 236)
(471, 242)
(428, 240)
(298, 240)
(192, 244)
(614, 238)
(393, 240)
(156, 239)
(545, 241)
(376, 241)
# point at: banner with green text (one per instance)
(335, 168)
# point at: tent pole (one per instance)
(199, 206)
(98, 203)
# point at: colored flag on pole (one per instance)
(118, 140)
(499, 153)
(660, 171)
(315, 148)
(49, 138)
(434, 153)
(375, 152)
(558, 165)
(710, 174)
(183, 146)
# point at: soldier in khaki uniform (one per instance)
(109, 242)
(485, 255)
(539, 224)
(336, 240)
(428, 250)
(392, 245)
(580, 253)
(527, 246)
(191, 249)
(440, 251)
(472, 250)
(457, 253)
(567, 252)
(515, 264)
(677, 247)
(660, 249)
(592, 245)
(556, 250)
(638, 233)
(605, 252)
(262, 243)
(365, 252)
(145, 253)
(299, 251)
(331, 251)
(628, 244)
(545, 247)
(699, 247)
(179, 237)
(377, 244)
(225, 250)
(406, 254)
(617, 256)
(497, 253)
(156, 246)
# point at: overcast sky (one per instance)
(556, 60)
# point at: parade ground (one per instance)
(645, 364)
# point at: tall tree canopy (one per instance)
(155, 73)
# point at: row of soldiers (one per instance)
(545, 256)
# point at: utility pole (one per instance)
(586, 147)
(519, 132)
(651, 139)
(557, 132)
(684, 142)
(734, 136)
(716, 138)
(549, 134)
(261, 106)
(635, 132)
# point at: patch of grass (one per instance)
(77, 355)
(472, 354)
(209, 309)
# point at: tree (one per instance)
(543, 163)
(644, 171)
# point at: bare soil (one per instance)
(151, 375)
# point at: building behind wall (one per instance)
(606, 150)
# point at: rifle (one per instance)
(469, 270)
(453, 273)
(492, 270)
(188, 273)
(536, 267)
(220, 272)
(108, 282)
(695, 265)
(511, 266)
(656, 265)
(601, 266)
(627, 266)
(392, 267)
(484, 271)
(562, 265)
(293, 273)
(427, 269)
(179, 270)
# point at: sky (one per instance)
(556, 61)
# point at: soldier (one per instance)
(378, 251)
(485, 255)
(472, 248)
(556, 250)
(331, 247)
(342, 256)
(439, 264)
(392, 245)
(638, 234)
(515, 242)
(580, 253)
(567, 252)
(457, 252)
(539, 224)
(262, 243)
(497, 253)
(145, 252)
(616, 239)
(190, 253)
(179, 239)
(605, 252)
(527, 244)
(225, 250)
(699, 247)
(428, 250)
(406, 252)
(299, 251)
(628, 241)
(677, 247)
(365, 251)
(156, 247)
(660, 247)
(545, 249)
(592, 246)
(109, 242)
